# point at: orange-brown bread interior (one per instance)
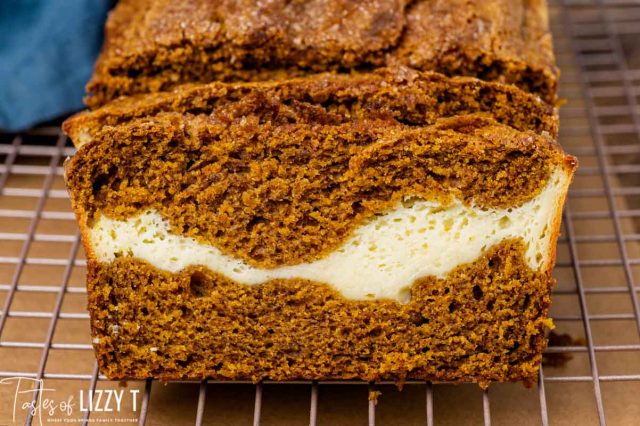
(273, 189)
(485, 321)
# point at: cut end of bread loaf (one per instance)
(394, 225)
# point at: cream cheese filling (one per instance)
(381, 258)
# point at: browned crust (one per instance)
(484, 322)
(496, 40)
(569, 165)
(411, 97)
(154, 45)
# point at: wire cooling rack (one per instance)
(592, 373)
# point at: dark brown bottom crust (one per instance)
(484, 322)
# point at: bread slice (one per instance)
(406, 96)
(154, 45)
(334, 227)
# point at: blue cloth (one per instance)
(47, 52)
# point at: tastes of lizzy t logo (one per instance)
(47, 407)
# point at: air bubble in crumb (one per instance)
(504, 222)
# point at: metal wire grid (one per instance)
(589, 38)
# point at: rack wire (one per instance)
(44, 331)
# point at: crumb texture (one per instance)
(272, 191)
(154, 45)
(381, 257)
(485, 321)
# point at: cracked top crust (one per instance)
(155, 45)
